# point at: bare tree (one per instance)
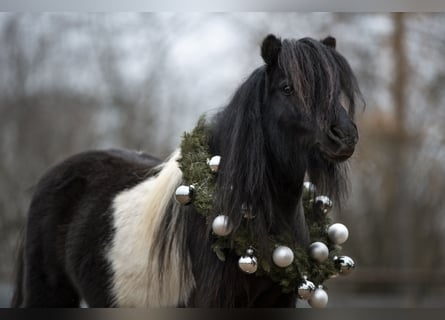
(44, 117)
(394, 207)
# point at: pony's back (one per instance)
(67, 220)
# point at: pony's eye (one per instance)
(287, 90)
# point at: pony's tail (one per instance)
(17, 297)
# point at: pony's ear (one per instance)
(329, 41)
(270, 49)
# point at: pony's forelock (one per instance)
(319, 75)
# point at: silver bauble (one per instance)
(221, 225)
(214, 163)
(248, 264)
(323, 203)
(306, 289)
(318, 251)
(183, 194)
(338, 233)
(345, 265)
(319, 298)
(283, 256)
(309, 187)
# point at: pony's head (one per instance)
(311, 94)
(291, 117)
(310, 100)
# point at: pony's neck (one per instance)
(286, 166)
(286, 174)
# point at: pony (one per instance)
(104, 227)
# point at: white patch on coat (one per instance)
(138, 212)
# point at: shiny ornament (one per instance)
(221, 225)
(319, 298)
(318, 251)
(306, 289)
(282, 256)
(338, 233)
(214, 163)
(345, 265)
(184, 194)
(308, 190)
(248, 263)
(323, 203)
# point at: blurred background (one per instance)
(71, 82)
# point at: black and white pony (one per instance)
(104, 226)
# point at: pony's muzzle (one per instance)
(338, 143)
(342, 142)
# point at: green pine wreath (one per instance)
(194, 165)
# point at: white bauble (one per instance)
(318, 251)
(338, 233)
(221, 225)
(319, 299)
(283, 256)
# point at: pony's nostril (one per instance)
(336, 133)
(343, 137)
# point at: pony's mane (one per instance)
(237, 134)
